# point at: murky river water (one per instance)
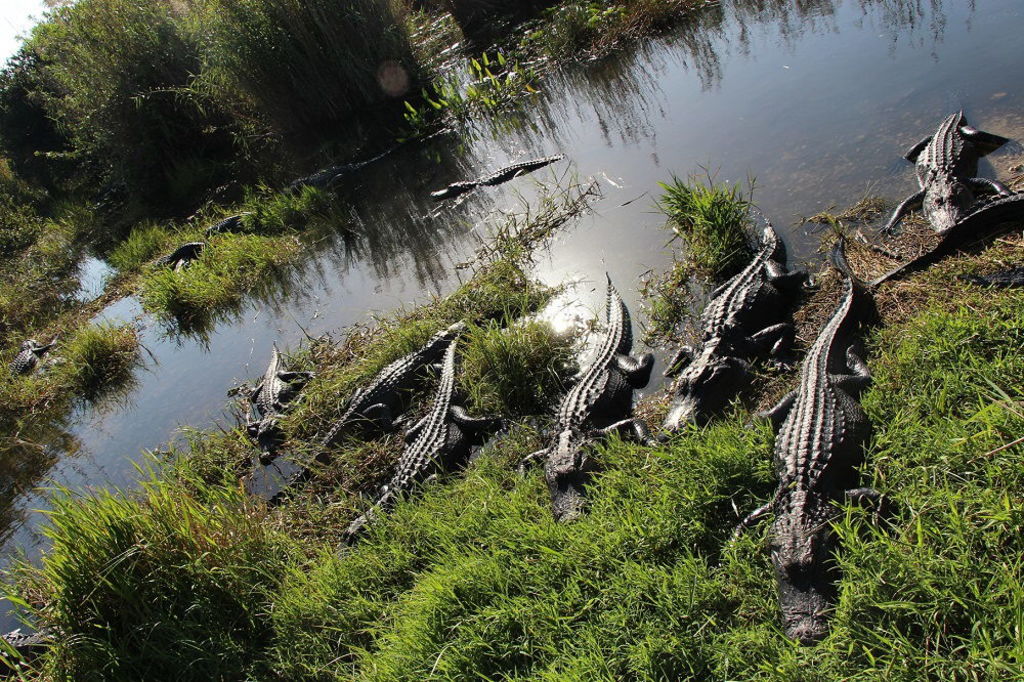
(816, 100)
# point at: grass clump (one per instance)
(198, 567)
(712, 219)
(229, 267)
(516, 370)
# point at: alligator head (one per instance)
(946, 201)
(706, 385)
(565, 472)
(801, 553)
(267, 434)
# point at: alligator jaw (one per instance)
(806, 605)
(565, 475)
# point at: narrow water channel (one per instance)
(816, 101)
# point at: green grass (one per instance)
(228, 268)
(473, 580)
(712, 219)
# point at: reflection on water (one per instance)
(817, 99)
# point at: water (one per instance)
(816, 102)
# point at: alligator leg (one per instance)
(916, 150)
(777, 414)
(531, 459)
(750, 519)
(679, 361)
(783, 278)
(626, 427)
(985, 142)
(860, 378)
(777, 338)
(913, 202)
(986, 185)
(473, 427)
(869, 497)
(637, 370)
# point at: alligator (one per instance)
(375, 407)
(28, 646)
(326, 178)
(986, 217)
(28, 357)
(182, 256)
(821, 433)
(599, 404)
(439, 442)
(270, 397)
(744, 320)
(496, 178)
(946, 165)
(1014, 277)
(230, 224)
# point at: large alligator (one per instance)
(182, 256)
(821, 432)
(270, 397)
(743, 321)
(600, 403)
(496, 178)
(986, 217)
(437, 443)
(29, 355)
(375, 407)
(946, 164)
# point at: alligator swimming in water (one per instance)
(327, 178)
(946, 165)
(496, 178)
(821, 433)
(743, 321)
(600, 403)
(985, 218)
(182, 256)
(438, 443)
(374, 407)
(270, 398)
(29, 355)
(1014, 277)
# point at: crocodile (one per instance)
(986, 217)
(375, 407)
(600, 403)
(1014, 277)
(439, 442)
(270, 397)
(744, 320)
(230, 224)
(28, 356)
(496, 178)
(946, 164)
(182, 256)
(326, 178)
(821, 433)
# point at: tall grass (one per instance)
(302, 64)
(712, 219)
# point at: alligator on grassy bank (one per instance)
(984, 220)
(373, 408)
(1014, 277)
(600, 403)
(438, 443)
(29, 355)
(29, 645)
(230, 224)
(821, 432)
(496, 178)
(744, 320)
(270, 397)
(947, 164)
(182, 256)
